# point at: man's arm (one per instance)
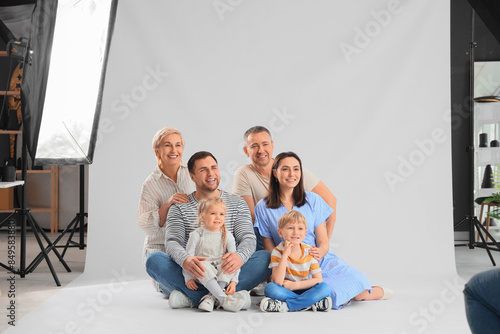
(243, 234)
(176, 235)
(331, 200)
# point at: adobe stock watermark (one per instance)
(250, 324)
(280, 119)
(363, 36)
(223, 7)
(425, 148)
(95, 303)
(422, 318)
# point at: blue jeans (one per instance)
(299, 299)
(482, 302)
(168, 273)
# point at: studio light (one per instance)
(63, 79)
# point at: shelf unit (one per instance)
(486, 121)
(54, 191)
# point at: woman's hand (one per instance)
(177, 198)
(317, 252)
(231, 288)
(174, 199)
(191, 284)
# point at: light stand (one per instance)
(472, 219)
(27, 218)
(78, 223)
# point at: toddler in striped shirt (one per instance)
(296, 281)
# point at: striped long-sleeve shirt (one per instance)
(156, 190)
(182, 219)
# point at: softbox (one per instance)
(64, 74)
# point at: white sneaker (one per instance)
(232, 303)
(179, 300)
(207, 303)
(245, 296)
(273, 305)
(259, 289)
(388, 293)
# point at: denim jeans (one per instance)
(168, 273)
(482, 302)
(298, 299)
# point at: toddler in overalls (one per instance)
(212, 241)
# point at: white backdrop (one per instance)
(359, 89)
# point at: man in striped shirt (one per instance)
(182, 219)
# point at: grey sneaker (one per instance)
(323, 305)
(179, 300)
(273, 305)
(232, 303)
(245, 296)
(259, 289)
(207, 303)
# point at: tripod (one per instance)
(474, 223)
(26, 218)
(78, 223)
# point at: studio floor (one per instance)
(84, 305)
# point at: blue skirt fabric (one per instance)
(346, 282)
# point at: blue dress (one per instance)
(345, 281)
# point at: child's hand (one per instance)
(231, 288)
(191, 284)
(287, 284)
(287, 249)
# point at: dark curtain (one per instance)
(36, 69)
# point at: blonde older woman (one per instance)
(169, 183)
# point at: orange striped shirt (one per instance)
(296, 269)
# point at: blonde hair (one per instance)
(292, 217)
(203, 208)
(162, 133)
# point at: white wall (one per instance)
(215, 68)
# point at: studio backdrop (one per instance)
(359, 90)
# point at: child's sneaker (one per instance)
(233, 304)
(273, 305)
(207, 303)
(179, 300)
(245, 296)
(323, 305)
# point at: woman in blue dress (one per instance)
(285, 193)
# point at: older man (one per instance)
(251, 180)
(182, 220)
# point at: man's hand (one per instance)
(193, 266)
(232, 262)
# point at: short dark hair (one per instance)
(255, 129)
(197, 156)
(272, 198)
